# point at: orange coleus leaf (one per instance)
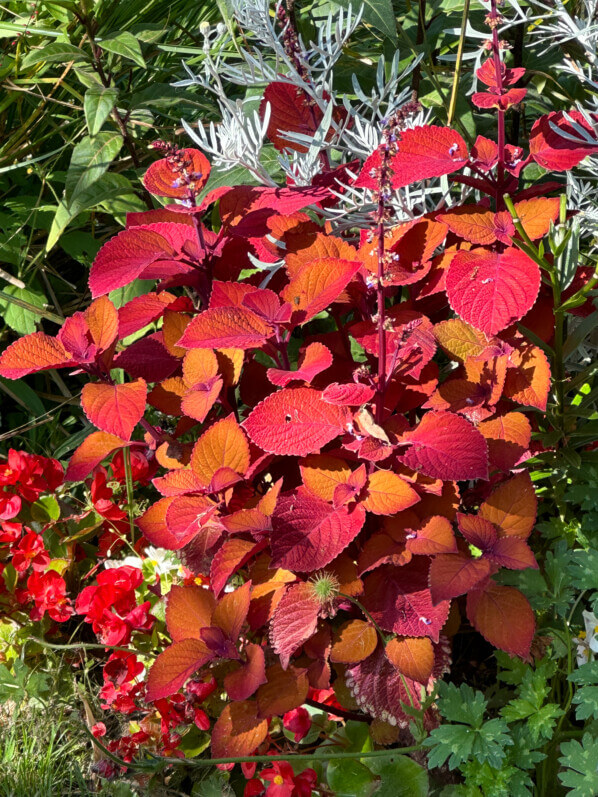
(231, 611)
(172, 330)
(321, 247)
(164, 179)
(188, 610)
(174, 666)
(460, 340)
(412, 656)
(283, 691)
(186, 515)
(245, 679)
(226, 327)
(32, 353)
(508, 437)
(528, 380)
(199, 366)
(473, 224)
(92, 451)
(230, 363)
(294, 621)
(200, 372)
(434, 536)
(512, 506)
(116, 409)
(503, 617)
(238, 731)
(322, 474)
(103, 321)
(198, 402)
(153, 525)
(386, 493)
(223, 445)
(228, 559)
(317, 285)
(354, 641)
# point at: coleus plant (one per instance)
(337, 429)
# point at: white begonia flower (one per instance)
(163, 561)
(587, 641)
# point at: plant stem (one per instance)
(129, 488)
(381, 383)
(458, 63)
(500, 169)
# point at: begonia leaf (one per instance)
(116, 409)
(295, 422)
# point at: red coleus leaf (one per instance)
(317, 285)
(142, 310)
(116, 409)
(32, 353)
(550, 148)
(294, 621)
(315, 359)
(454, 574)
(124, 257)
(400, 600)
(503, 616)
(238, 731)
(174, 666)
(178, 177)
(245, 209)
(512, 552)
(92, 451)
(308, 533)
(423, 152)
(349, 395)
(487, 74)
(153, 524)
(504, 101)
(491, 290)
(446, 446)
(226, 327)
(228, 559)
(382, 690)
(245, 680)
(291, 111)
(186, 515)
(295, 422)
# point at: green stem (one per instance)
(129, 488)
(458, 63)
(362, 608)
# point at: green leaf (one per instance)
(18, 317)
(21, 683)
(91, 159)
(348, 778)
(400, 776)
(581, 762)
(461, 704)
(98, 104)
(60, 52)
(124, 44)
(27, 395)
(378, 13)
(45, 509)
(108, 186)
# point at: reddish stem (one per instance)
(500, 171)
(381, 383)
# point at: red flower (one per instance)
(10, 532)
(98, 730)
(284, 782)
(48, 590)
(30, 551)
(298, 722)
